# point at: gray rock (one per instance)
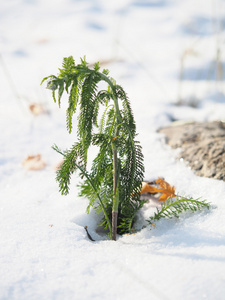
(202, 146)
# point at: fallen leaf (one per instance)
(168, 190)
(147, 188)
(164, 187)
(34, 162)
(42, 40)
(36, 109)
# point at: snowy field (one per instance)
(163, 52)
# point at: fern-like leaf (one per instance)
(173, 208)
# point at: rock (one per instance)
(202, 146)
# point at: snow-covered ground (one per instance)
(162, 52)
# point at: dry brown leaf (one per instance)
(147, 188)
(34, 162)
(36, 109)
(42, 40)
(164, 187)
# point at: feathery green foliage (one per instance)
(114, 182)
(173, 208)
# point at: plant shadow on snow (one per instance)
(95, 26)
(210, 72)
(149, 3)
(201, 26)
(214, 98)
(184, 232)
(194, 102)
(183, 238)
(195, 256)
(30, 1)
(20, 53)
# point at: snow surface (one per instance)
(45, 252)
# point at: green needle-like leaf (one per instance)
(173, 208)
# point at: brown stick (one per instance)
(88, 234)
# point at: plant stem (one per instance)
(115, 195)
(115, 161)
(115, 187)
(114, 225)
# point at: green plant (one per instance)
(114, 181)
(173, 208)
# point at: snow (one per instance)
(45, 252)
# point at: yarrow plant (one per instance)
(113, 185)
(114, 182)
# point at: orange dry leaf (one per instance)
(168, 190)
(36, 109)
(34, 162)
(147, 188)
(165, 188)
